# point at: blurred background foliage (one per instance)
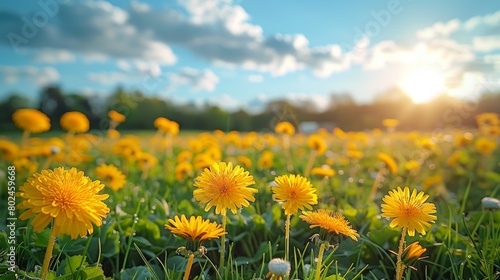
(141, 111)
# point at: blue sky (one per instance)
(241, 52)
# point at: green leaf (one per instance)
(71, 264)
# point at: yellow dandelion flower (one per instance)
(115, 116)
(8, 150)
(412, 253)
(432, 181)
(113, 134)
(31, 120)
(182, 170)
(488, 119)
(390, 122)
(244, 160)
(377, 132)
(296, 192)
(330, 221)
(161, 123)
(67, 197)
(173, 128)
(167, 126)
(184, 156)
(266, 160)
(412, 165)
(389, 162)
(464, 139)
(317, 143)
(284, 128)
(354, 154)
(195, 229)
(485, 145)
(25, 165)
(492, 131)
(111, 176)
(74, 122)
(224, 187)
(339, 133)
(409, 211)
(324, 171)
(146, 161)
(202, 161)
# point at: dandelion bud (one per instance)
(412, 253)
(278, 268)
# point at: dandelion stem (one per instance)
(400, 267)
(376, 183)
(223, 243)
(188, 268)
(320, 260)
(310, 163)
(25, 139)
(48, 255)
(287, 237)
(288, 155)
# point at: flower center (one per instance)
(223, 189)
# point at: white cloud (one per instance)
(109, 78)
(54, 56)
(215, 30)
(486, 44)
(255, 78)
(198, 80)
(123, 65)
(439, 29)
(148, 68)
(38, 76)
(94, 29)
(226, 102)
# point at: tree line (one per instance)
(141, 110)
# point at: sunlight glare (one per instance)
(423, 85)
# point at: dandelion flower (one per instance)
(31, 120)
(296, 192)
(317, 143)
(161, 123)
(330, 221)
(485, 145)
(389, 162)
(244, 160)
(182, 170)
(412, 253)
(8, 150)
(224, 187)
(195, 229)
(409, 211)
(67, 197)
(74, 122)
(115, 116)
(111, 176)
(113, 134)
(390, 122)
(284, 128)
(324, 171)
(266, 160)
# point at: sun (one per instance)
(423, 84)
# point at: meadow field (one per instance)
(280, 204)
